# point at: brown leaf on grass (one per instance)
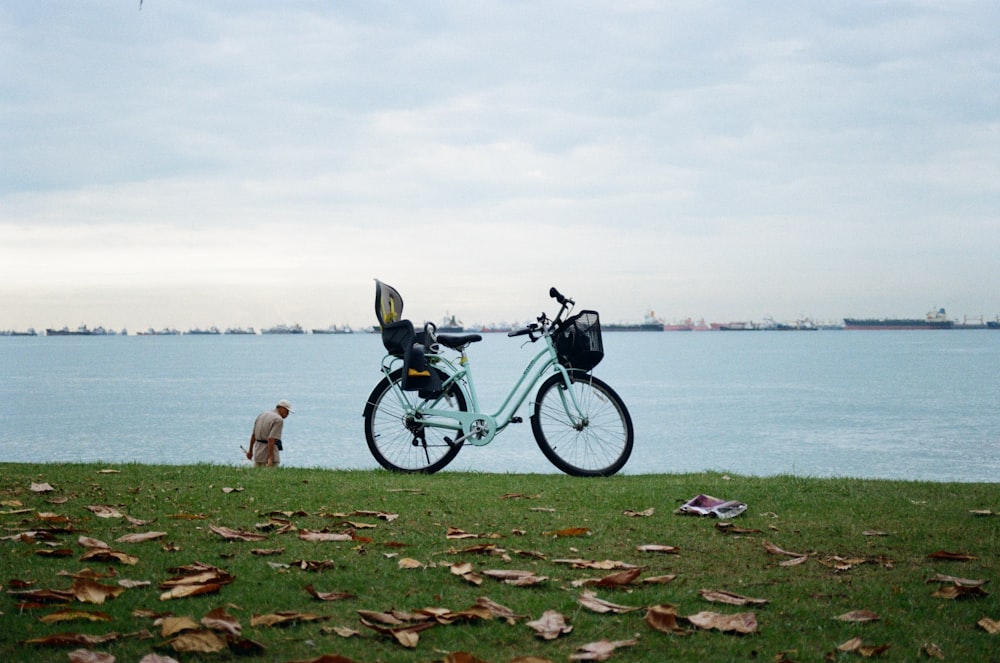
(282, 618)
(276, 525)
(991, 626)
(184, 591)
(931, 650)
(104, 511)
(88, 542)
(263, 552)
(409, 563)
(516, 578)
(309, 535)
(198, 573)
(170, 625)
(497, 610)
(775, 550)
(446, 617)
(140, 537)
(43, 595)
(51, 517)
(660, 580)
(220, 620)
(983, 512)
(41, 488)
(729, 598)
(69, 614)
(795, 561)
(663, 618)
(729, 528)
(639, 514)
(952, 580)
(156, 658)
(569, 531)
(329, 596)
(198, 642)
(231, 534)
(135, 522)
(653, 547)
(604, 565)
(407, 635)
(858, 616)
(188, 516)
(462, 657)
(741, 623)
(550, 625)
(951, 556)
(314, 565)
(952, 592)
(107, 555)
(600, 650)
(387, 517)
(590, 601)
(342, 631)
(855, 645)
(70, 639)
(88, 656)
(132, 584)
(615, 580)
(53, 552)
(519, 496)
(88, 591)
(327, 658)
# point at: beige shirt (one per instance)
(268, 424)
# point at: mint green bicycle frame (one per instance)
(475, 426)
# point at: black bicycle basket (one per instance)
(578, 341)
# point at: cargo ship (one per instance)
(933, 320)
(650, 323)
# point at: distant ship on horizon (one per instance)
(933, 320)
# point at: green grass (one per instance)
(821, 517)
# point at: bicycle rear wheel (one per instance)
(400, 442)
(597, 446)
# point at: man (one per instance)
(265, 441)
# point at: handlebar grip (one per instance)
(556, 295)
(519, 332)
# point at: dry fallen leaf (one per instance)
(235, 535)
(309, 535)
(68, 614)
(41, 488)
(329, 596)
(88, 591)
(590, 601)
(991, 626)
(497, 610)
(570, 531)
(931, 650)
(952, 592)
(620, 579)
(859, 616)
(88, 656)
(722, 596)
(201, 642)
(550, 625)
(855, 645)
(663, 618)
(600, 650)
(652, 547)
(775, 550)
(140, 537)
(108, 555)
(639, 514)
(104, 511)
(742, 623)
(603, 565)
(952, 580)
(171, 626)
(409, 563)
(951, 556)
(70, 639)
(285, 617)
(220, 620)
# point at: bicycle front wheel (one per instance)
(596, 445)
(401, 442)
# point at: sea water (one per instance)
(879, 404)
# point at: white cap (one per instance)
(285, 404)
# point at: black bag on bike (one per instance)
(578, 341)
(400, 340)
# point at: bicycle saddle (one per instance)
(456, 341)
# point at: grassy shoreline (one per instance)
(859, 544)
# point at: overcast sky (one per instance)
(254, 162)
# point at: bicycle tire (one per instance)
(598, 448)
(407, 446)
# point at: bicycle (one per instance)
(425, 408)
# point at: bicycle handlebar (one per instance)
(536, 330)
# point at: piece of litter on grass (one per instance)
(706, 505)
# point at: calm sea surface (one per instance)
(901, 405)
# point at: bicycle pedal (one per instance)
(517, 420)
